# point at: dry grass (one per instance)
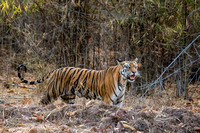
(20, 111)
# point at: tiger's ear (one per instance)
(139, 64)
(120, 62)
(136, 60)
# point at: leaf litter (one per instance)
(96, 117)
(20, 112)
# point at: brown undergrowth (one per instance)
(20, 111)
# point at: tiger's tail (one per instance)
(26, 81)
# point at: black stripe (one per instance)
(19, 75)
(70, 77)
(57, 74)
(61, 76)
(77, 81)
(55, 85)
(114, 89)
(25, 81)
(63, 73)
(43, 78)
(100, 87)
(32, 82)
(119, 88)
(114, 92)
(94, 96)
(70, 98)
(86, 94)
(114, 69)
(97, 83)
(68, 73)
(92, 80)
(54, 90)
(118, 102)
(73, 90)
(52, 77)
(111, 100)
(60, 71)
(49, 98)
(47, 75)
(90, 73)
(100, 92)
(84, 81)
(94, 83)
(120, 97)
(111, 68)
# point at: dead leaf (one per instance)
(65, 129)
(34, 115)
(26, 101)
(7, 104)
(87, 104)
(197, 129)
(40, 118)
(11, 91)
(195, 110)
(4, 130)
(130, 127)
(20, 124)
(181, 124)
(26, 89)
(33, 130)
(58, 107)
(32, 118)
(139, 132)
(95, 129)
(59, 123)
(70, 113)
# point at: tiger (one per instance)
(108, 85)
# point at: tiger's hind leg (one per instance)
(68, 98)
(48, 98)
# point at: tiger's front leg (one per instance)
(119, 101)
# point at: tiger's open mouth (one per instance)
(131, 77)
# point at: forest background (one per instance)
(48, 34)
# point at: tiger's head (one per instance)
(129, 69)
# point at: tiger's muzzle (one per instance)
(131, 77)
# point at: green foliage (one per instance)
(9, 8)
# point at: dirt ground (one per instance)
(20, 112)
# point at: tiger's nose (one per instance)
(133, 73)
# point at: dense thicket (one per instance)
(94, 33)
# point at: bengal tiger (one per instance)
(108, 85)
